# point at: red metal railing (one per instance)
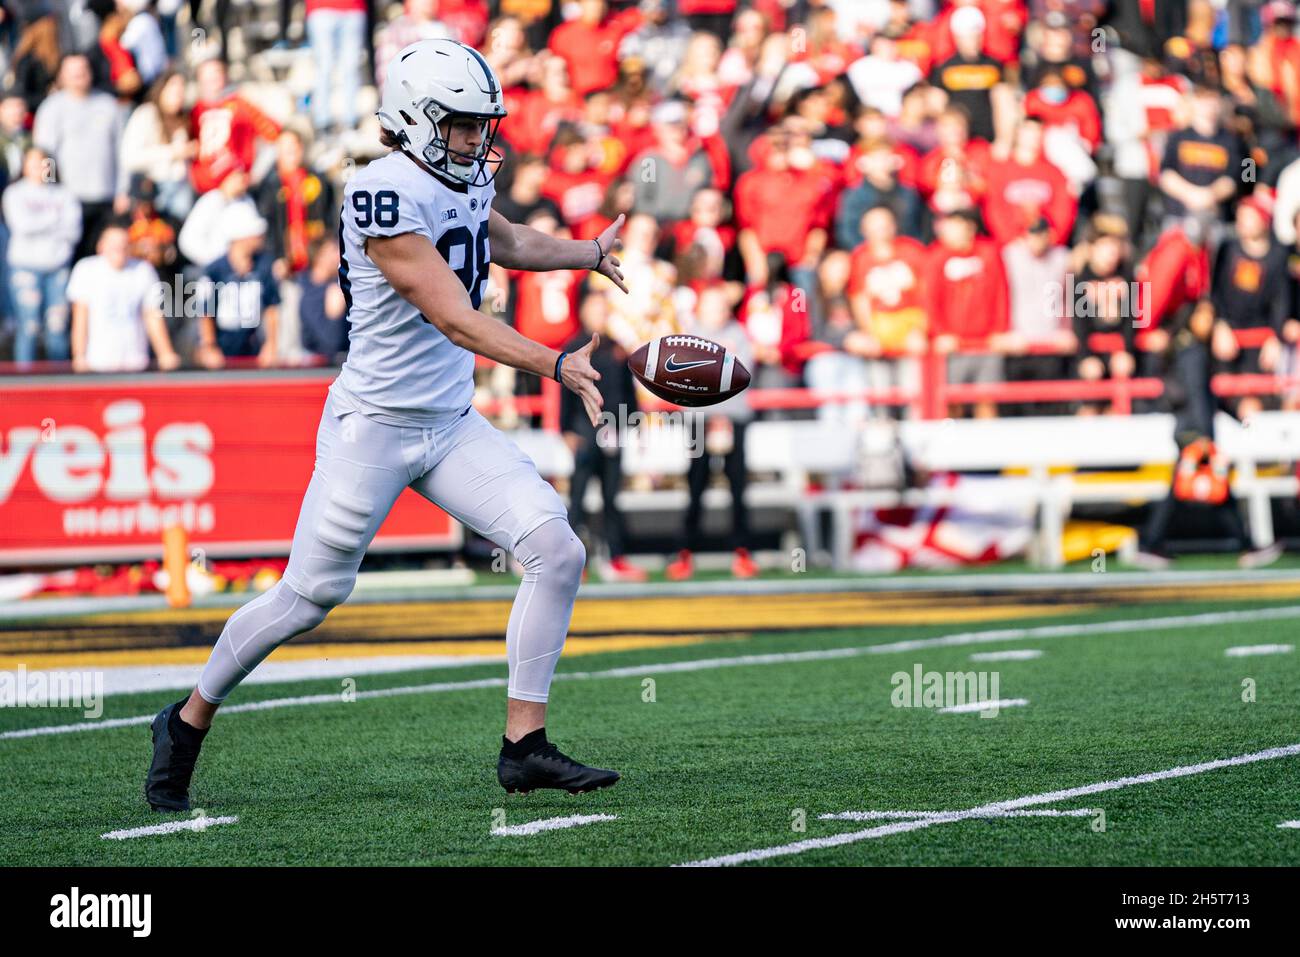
(930, 399)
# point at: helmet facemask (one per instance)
(469, 168)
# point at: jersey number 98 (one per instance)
(379, 210)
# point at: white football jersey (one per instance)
(400, 369)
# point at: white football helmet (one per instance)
(430, 81)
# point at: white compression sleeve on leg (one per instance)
(553, 559)
(252, 633)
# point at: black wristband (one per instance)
(601, 252)
(559, 361)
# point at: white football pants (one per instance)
(463, 465)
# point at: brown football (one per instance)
(689, 370)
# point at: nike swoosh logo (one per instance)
(672, 365)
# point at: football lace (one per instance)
(692, 341)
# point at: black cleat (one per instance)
(167, 788)
(547, 767)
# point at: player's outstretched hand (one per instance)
(578, 375)
(609, 241)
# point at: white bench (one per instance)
(1268, 437)
(1042, 444)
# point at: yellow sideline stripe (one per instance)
(367, 623)
(471, 607)
(1228, 591)
(800, 611)
(308, 652)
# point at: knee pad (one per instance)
(552, 549)
(328, 592)
(570, 557)
(305, 613)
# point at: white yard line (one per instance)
(1119, 626)
(974, 706)
(266, 706)
(134, 679)
(103, 725)
(1122, 626)
(947, 817)
(918, 815)
(1241, 651)
(551, 824)
(171, 827)
(1012, 654)
(1294, 824)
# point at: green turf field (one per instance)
(726, 759)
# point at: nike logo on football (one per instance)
(672, 365)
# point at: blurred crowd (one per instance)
(1033, 190)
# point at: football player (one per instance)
(416, 233)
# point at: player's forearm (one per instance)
(493, 339)
(535, 251)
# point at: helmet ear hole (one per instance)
(407, 117)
